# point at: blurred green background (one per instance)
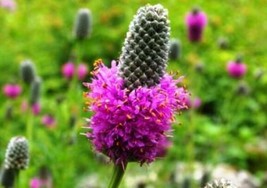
(229, 126)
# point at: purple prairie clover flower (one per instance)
(196, 21)
(68, 70)
(48, 120)
(12, 90)
(193, 103)
(38, 182)
(82, 71)
(8, 4)
(131, 125)
(24, 106)
(35, 183)
(196, 103)
(36, 108)
(236, 69)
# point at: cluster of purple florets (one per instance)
(131, 125)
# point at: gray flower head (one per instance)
(27, 71)
(145, 51)
(83, 24)
(17, 153)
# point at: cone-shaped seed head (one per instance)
(175, 49)
(145, 51)
(83, 24)
(27, 71)
(221, 183)
(17, 154)
(35, 91)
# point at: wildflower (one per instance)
(27, 71)
(8, 4)
(35, 183)
(196, 103)
(36, 108)
(68, 70)
(48, 120)
(134, 101)
(16, 159)
(83, 24)
(82, 71)
(35, 91)
(43, 180)
(236, 69)
(175, 49)
(12, 90)
(196, 20)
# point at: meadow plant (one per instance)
(36, 108)
(196, 21)
(43, 180)
(237, 68)
(82, 71)
(8, 4)
(48, 120)
(16, 159)
(35, 90)
(12, 91)
(27, 71)
(68, 70)
(134, 101)
(175, 49)
(83, 24)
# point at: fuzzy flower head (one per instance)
(82, 71)
(12, 90)
(48, 120)
(36, 108)
(131, 126)
(196, 21)
(236, 69)
(35, 183)
(134, 101)
(68, 70)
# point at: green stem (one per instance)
(118, 173)
(29, 126)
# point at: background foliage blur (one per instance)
(229, 126)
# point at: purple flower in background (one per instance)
(36, 108)
(48, 120)
(68, 70)
(35, 183)
(236, 69)
(8, 4)
(24, 106)
(196, 21)
(12, 90)
(131, 126)
(194, 103)
(82, 71)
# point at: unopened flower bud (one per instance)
(175, 49)
(35, 92)
(27, 71)
(83, 24)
